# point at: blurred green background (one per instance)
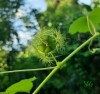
(21, 20)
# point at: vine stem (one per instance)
(28, 70)
(63, 61)
(53, 57)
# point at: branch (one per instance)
(27, 70)
(64, 61)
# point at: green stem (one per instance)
(80, 47)
(53, 57)
(45, 80)
(64, 61)
(28, 70)
(88, 24)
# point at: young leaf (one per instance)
(95, 19)
(22, 86)
(3, 93)
(96, 11)
(81, 25)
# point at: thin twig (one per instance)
(53, 57)
(89, 23)
(63, 62)
(27, 70)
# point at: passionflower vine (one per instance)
(46, 42)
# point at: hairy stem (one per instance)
(64, 61)
(28, 70)
(80, 47)
(53, 57)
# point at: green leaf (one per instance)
(3, 93)
(22, 86)
(95, 19)
(80, 25)
(96, 11)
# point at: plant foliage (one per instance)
(22, 86)
(81, 24)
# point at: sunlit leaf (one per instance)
(3, 93)
(22, 86)
(80, 25)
